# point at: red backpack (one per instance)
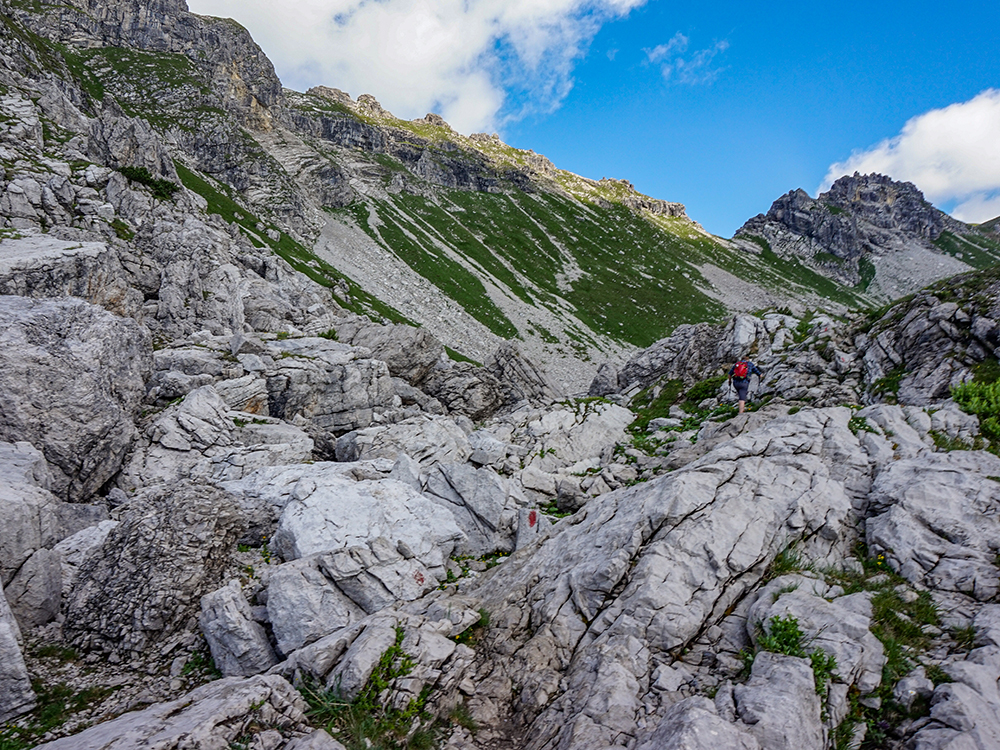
(740, 369)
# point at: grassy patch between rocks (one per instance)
(370, 721)
(904, 621)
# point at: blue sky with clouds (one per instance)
(722, 106)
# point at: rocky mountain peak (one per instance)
(868, 231)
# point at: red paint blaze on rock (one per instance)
(532, 519)
(418, 577)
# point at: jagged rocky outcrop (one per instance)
(862, 219)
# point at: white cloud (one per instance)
(951, 154)
(476, 62)
(679, 67)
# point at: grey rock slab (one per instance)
(933, 518)
(73, 551)
(146, 579)
(334, 386)
(35, 592)
(16, 695)
(426, 439)
(71, 381)
(965, 713)
(40, 266)
(839, 627)
(202, 439)
(477, 498)
(465, 389)
(32, 517)
(379, 575)
(328, 512)
(363, 655)
(303, 605)
(210, 717)
(238, 643)
(779, 704)
(640, 572)
(694, 724)
(410, 353)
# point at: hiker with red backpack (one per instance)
(739, 377)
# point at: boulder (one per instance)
(238, 644)
(410, 353)
(779, 704)
(334, 386)
(211, 717)
(564, 434)
(694, 724)
(324, 510)
(146, 579)
(932, 518)
(16, 695)
(40, 266)
(71, 381)
(31, 516)
(839, 626)
(479, 501)
(521, 379)
(303, 604)
(465, 389)
(35, 592)
(202, 439)
(428, 439)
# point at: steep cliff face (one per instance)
(867, 224)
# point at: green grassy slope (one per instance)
(570, 248)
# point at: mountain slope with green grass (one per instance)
(411, 221)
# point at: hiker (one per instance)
(739, 376)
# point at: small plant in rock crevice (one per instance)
(902, 627)
(784, 636)
(370, 721)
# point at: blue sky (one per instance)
(720, 106)
(799, 87)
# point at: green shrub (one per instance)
(161, 189)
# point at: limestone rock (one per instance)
(35, 592)
(694, 724)
(73, 551)
(931, 519)
(146, 579)
(16, 695)
(639, 572)
(202, 439)
(324, 511)
(304, 605)
(839, 627)
(427, 439)
(31, 516)
(409, 352)
(39, 266)
(465, 389)
(479, 501)
(779, 703)
(332, 385)
(521, 378)
(238, 644)
(71, 380)
(210, 717)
